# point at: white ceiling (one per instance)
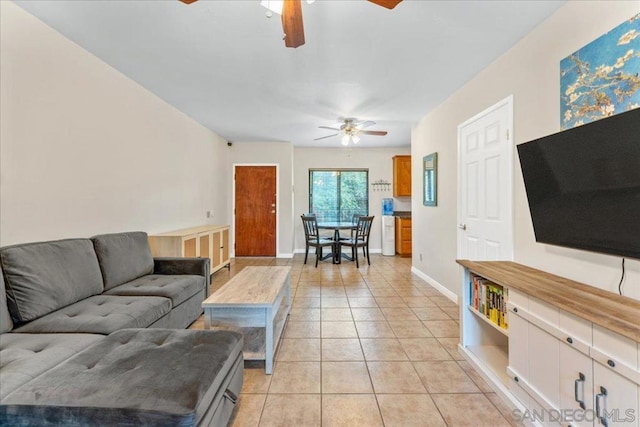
(224, 62)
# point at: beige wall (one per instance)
(377, 160)
(272, 153)
(529, 71)
(86, 150)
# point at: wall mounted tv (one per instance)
(583, 185)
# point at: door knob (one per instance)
(462, 226)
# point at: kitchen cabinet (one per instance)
(206, 241)
(402, 176)
(403, 236)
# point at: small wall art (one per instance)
(602, 78)
(430, 178)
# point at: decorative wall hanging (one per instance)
(602, 78)
(381, 185)
(430, 179)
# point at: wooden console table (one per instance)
(256, 302)
(551, 343)
(207, 241)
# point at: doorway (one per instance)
(255, 210)
(485, 184)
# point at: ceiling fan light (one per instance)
(345, 140)
(274, 6)
(355, 139)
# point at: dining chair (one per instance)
(322, 236)
(313, 238)
(360, 239)
(354, 221)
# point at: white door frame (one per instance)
(508, 101)
(233, 203)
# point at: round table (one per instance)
(337, 226)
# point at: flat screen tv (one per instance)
(583, 186)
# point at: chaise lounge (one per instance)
(92, 332)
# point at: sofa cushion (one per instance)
(159, 377)
(45, 276)
(25, 356)
(123, 257)
(177, 288)
(5, 318)
(101, 314)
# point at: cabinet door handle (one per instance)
(581, 379)
(601, 397)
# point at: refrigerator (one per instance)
(388, 228)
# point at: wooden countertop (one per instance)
(253, 286)
(617, 313)
(188, 231)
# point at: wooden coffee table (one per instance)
(255, 302)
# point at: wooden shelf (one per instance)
(206, 241)
(494, 358)
(616, 313)
(482, 317)
(254, 337)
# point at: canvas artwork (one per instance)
(602, 78)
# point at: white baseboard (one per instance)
(285, 255)
(440, 287)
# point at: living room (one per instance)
(86, 150)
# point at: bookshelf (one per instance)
(484, 332)
(482, 317)
(488, 299)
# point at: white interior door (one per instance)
(485, 184)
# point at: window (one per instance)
(338, 194)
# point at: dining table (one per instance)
(336, 226)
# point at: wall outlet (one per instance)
(420, 257)
(209, 215)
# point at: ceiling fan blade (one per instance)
(292, 23)
(389, 4)
(324, 137)
(373, 132)
(327, 127)
(188, 1)
(366, 124)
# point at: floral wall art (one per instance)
(602, 78)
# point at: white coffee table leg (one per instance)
(268, 358)
(207, 318)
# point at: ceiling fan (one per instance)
(350, 128)
(291, 11)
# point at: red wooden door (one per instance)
(255, 211)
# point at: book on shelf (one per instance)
(489, 299)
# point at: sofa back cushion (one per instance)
(123, 257)
(5, 318)
(45, 276)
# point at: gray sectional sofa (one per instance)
(92, 333)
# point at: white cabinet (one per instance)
(207, 241)
(576, 385)
(573, 355)
(544, 369)
(615, 398)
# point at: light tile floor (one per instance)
(374, 346)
